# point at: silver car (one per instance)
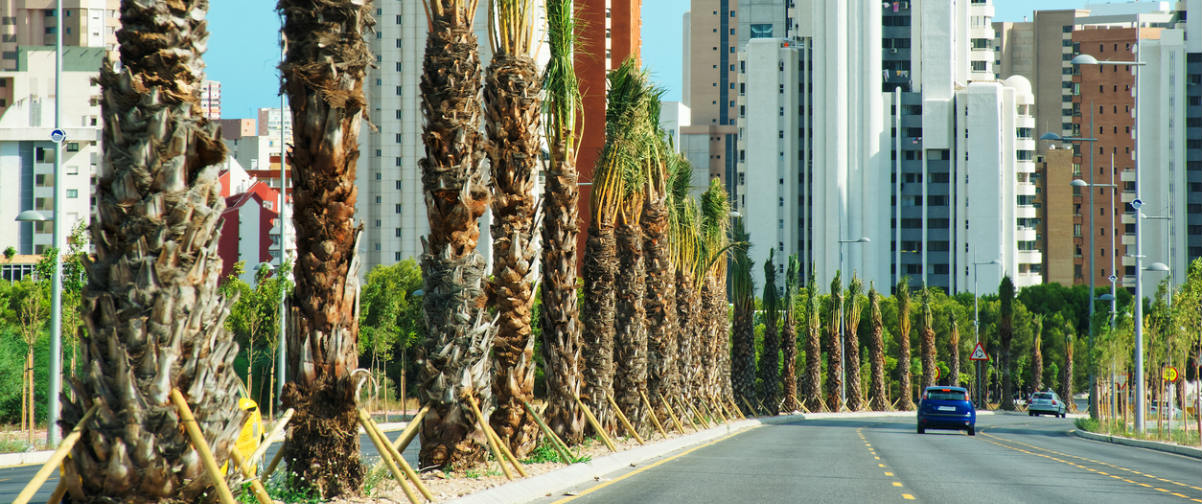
(1046, 402)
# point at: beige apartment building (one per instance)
(86, 23)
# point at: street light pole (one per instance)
(976, 318)
(56, 300)
(281, 340)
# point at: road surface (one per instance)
(1012, 459)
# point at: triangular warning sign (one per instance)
(978, 353)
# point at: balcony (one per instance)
(1025, 212)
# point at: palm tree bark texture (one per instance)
(855, 396)
(1006, 335)
(659, 301)
(1066, 373)
(454, 361)
(954, 343)
(834, 355)
(511, 98)
(928, 341)
(877, 398)
(789, 340)
(154, 314)
(743, 348)
(769, 362)
(813, 345)
(1037, 358)
(560, 313)
(630, 332)
(905, 400)
(326, 60)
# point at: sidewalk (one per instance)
(1188, 451)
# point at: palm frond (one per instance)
(563, 103)
(511, 26)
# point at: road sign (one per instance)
(978, 353)
(936, 372)
(58, 135)
(1136, 203)
(1112, 278)
(1170, 374)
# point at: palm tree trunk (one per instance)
(954, 342)
(600, 271)
(768, 369)
(686, 338)
(906, 395)
(1037, 358)
(659, 300)
(511, 95)
(789, 357)
(742, 374)
(928, 342)
(1066, 375)
(855, 395)
(454, 358)
(630, 332)
(154, 314)
(834, 356)
(877, 400)
(721, 323)
(324, 82)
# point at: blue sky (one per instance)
(244, 47)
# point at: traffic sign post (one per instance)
(978, 353)
(58, 135)
(1170, 374)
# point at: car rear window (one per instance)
(1043, 395)
(945, 395)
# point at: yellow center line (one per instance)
(907, 496)
(880, 465)
(887, 473)
(897, 483)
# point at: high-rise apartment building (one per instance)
(712, 29)
(1193, 127)
(86, 23)
(210, 100)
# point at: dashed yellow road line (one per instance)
(887, 473)
(1099, 462)
(907, 496)
(875, 456)
(897, 483)
(1080, 466)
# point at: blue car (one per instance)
(946, 408)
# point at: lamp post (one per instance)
(1085, 59)
(282, 355)
(56, 313)
(1093, 380)
(842, 337)
(976, 317)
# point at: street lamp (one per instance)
(1049, 136)
(976, 316)
(1085, 59)
(842, 338)
(56, 319)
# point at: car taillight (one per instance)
(1053, 402)
(966, 396)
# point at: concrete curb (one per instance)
(553, 482)
(1139, 443)
(10, 460)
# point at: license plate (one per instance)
(947, 408)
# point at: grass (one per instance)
(280, 488)
(12, 445)
(1119, 428)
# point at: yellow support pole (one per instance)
(407, 435)
(671, 414)
(687, 415)
(651, 413)
(717, 411)
(388, 460)
(275, 461)
(492, 445)
(497, 439)
(697, 414)
(396, 455)
(558, 444)
(256, 486)
(56, 458)
(592, 420)
(622, 418)
(59, 492)
(735, 408)
(202, 447)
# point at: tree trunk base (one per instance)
(324, 430)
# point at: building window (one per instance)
(72, 193)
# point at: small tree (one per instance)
(1006, 336)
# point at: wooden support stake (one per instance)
(396, 456)
(592, 420)
(256, 486)
(407, 435)
(651, 412)
(717, 411)
(698, 416)
(671, 414)
(202, 447)
(691, 416)
(736, 408)
(496, 439)
(556, 443)
(59, 492)
(275, 461)
(625, 422)
(387, 456)
(56, 458)
(706, 413)
(275, 431)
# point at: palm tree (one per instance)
(877, 401)
(834, 355)
(928, 340)
(743, 291)
(560, 315)
(789, 339)
(689, 272)
(512, 107)
(1066, 373)
(610, 185)
(1006, 335)
(661, 248)
(855, 397)
(954, 342)
(715, 223)
(152, 307)
(813, 375)
(459, 327)
(769, 363)
(1037, 358)
(906, 401)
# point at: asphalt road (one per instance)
(14, 479)
(1015, 459)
